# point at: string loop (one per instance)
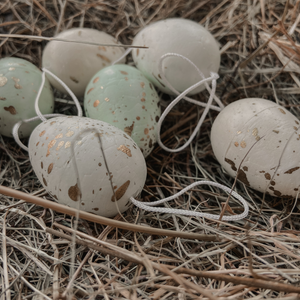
(148, 205)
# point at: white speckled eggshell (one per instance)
(19, 83)
(270, 134)
(66, 156)
(180, 36)
(122, 96)
(76, 63)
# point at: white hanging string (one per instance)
(124, 55)
(169, 85)
(148, 205)
(40, 116)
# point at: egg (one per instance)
(180, 36)
(122, 96)
(19, 83)
(258, 141)
(76, 63)
(66, 154)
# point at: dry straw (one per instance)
(256, 258)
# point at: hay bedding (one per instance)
(256, 258)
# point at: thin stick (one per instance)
(102, 220)
(38, 38)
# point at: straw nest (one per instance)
(48, 255)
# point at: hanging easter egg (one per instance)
(259, 140)
(19, 84)
(180, 36)
(76, 63)
(122, 96)
(66, 154)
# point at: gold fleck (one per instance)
(74, 79)
(125, 150)
(50, 168)
(74, 192)
(16, 80)
(137, 52)
(239, 132)
(144, 94)
(138, 118)
(11, 109)
(142, 84)
(257, 138)
(243, 144)
(42, 165)
(236, 144)
(104, 57)
(69, 133)
(96, 208)
(126, 78)
(89, 90)
(45, 182)
(99, 164)
(3, 80)
(129, 129)
(37, 143)
(79, 143)
(290, 171)
(124, 73)
(60, 144)
(276, 131)
(282, 111)
(102, 48)
(267, 176)
(2, 98)
(59, 136)
(146, 130)
(295, 128)
(106, 99)
(96, 103)
(11, 69)
(96, 79)
(143, 100)
(120, 192)
(255, 132)
(67, 145)
(50, 145)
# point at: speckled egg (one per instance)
(66, 154)
(19, 83)
(122, 96)
(258, 141)
(180, 36)
(76, 63)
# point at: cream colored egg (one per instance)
(19, 84)
(259, 140)
(180, 36)
(88, 164)
(122, 96)
(76, 63)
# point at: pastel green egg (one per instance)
(19, 84)
(122, 96)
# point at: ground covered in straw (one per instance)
(256, 258)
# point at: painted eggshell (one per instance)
(76, 63)
(180, 36)
(19, 83)
(122, 96)
(260, 140)
(66, 155)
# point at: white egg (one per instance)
(260, 140)
(181, 36)
(19, 84)
(66, 155)
(76, 63)
(121, 96)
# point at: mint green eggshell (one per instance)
(122, 96)
(19, 84)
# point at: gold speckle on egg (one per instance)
(123, 72)
(60, 144)
(146, 130)
(137, 52)
(120, 192)
(138, 118)
(50, 145)
(16, 80)
(79, 143)
(143, 100)
(144, 94)
(239, 132)
(52, 122)
(45, 182)
(276, 131)
(69, 133)
(96, 79)
(282, 111)
(243, 144)
(67, 145)
(125, 150)
(142, 84)
(42, 165)
(102, 48)
(104, 57)
(3, 80)
(96, 103)
(129, 129)
(74, 192)
(89, 90)
(59, 136)
(74, 79)
(99, 164)
(2, 98)
(255, 132)
(11, 109)
(50, 168)
(236, 144)
(106, 99)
